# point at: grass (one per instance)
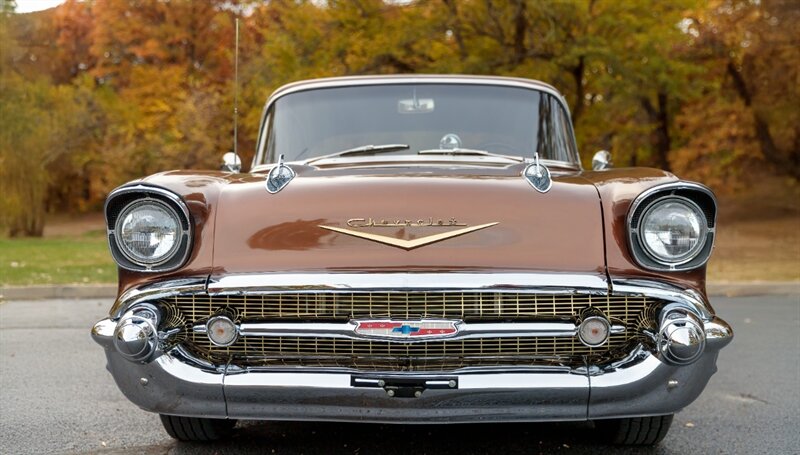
(758, 234)
(766, 249)
(758, 239)
(78, 259)
(757, 250)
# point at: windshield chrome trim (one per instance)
(462, 161)
(339, 82)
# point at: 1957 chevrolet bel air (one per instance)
(413, 249)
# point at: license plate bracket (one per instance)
(404, 386)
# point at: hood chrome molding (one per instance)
(408, 244)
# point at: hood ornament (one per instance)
(538, 175)
(279, 176)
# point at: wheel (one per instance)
(636, 431)
(197, 429)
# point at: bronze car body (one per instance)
(318, 276)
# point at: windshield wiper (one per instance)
(460, 151)
(363, 150)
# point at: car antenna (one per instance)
(236, 96)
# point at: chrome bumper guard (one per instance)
(642, 384)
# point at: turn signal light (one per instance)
(221, 331)
(593, 331)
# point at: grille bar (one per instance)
(464, 330)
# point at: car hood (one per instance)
(320, 221)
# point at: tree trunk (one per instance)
(661, 139)
(520, 30)
(577, 76)
(784, 163)
(456, 28)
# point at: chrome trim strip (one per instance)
(684, 298)
(558, 379)
(336, 82)
(156, 291)
(325, 282)
(272, 283)
(465, 330)
(666, 187)
(187, 236)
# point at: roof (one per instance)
(345, 81)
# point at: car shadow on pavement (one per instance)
(313, 438)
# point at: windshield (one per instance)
(502, 120)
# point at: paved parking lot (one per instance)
(56, 397)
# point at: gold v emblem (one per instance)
(408, 244)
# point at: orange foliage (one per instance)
(148, 85)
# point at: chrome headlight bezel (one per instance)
(132, 255)
(702, 235)
(697, 198)
(126, 198)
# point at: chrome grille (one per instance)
(468, 306)
(634, 312)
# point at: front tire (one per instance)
(197, 429)
(635, 431)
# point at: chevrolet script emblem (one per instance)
(409, 244)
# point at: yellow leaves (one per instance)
(720, 148)
(146, 85)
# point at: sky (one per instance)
(26, 6)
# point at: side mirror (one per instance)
(231, 163)
(601, 160)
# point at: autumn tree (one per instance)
(95, 93)
(170, 66)
(750, 116)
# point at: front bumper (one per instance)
(638, 386)
(642, 384)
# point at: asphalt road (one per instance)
(56, 397)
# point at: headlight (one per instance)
(671, 227)
(673, 230)
(148, 232)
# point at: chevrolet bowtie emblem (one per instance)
(408, 244)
